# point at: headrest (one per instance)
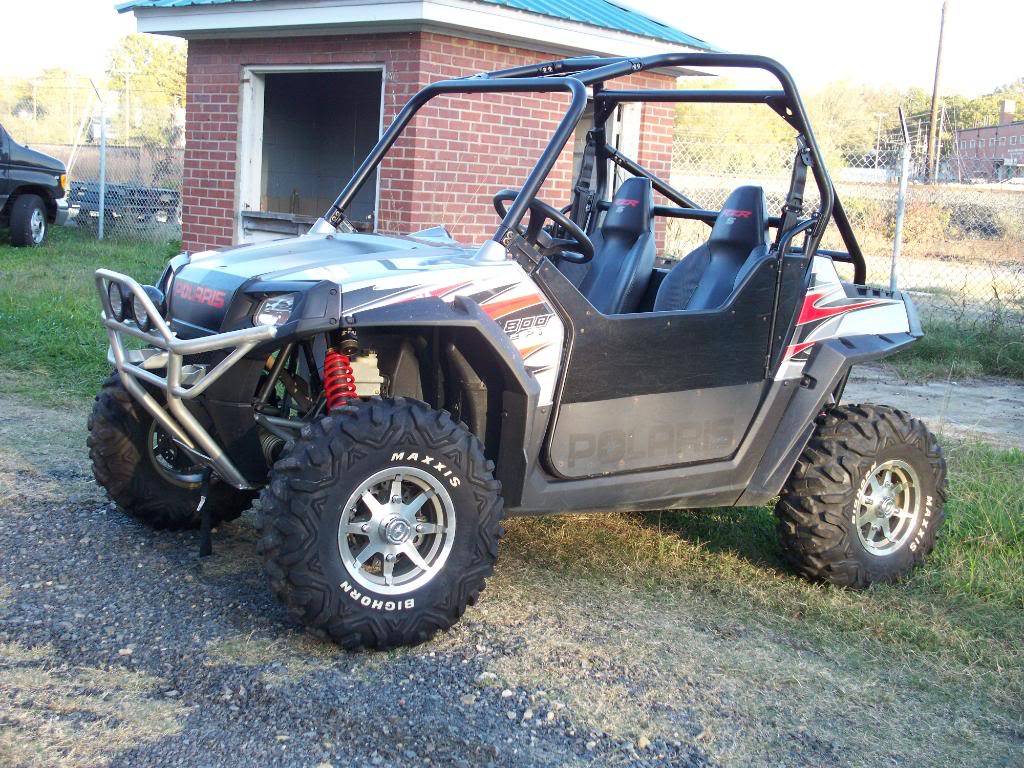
(743, 219)
(630, 210)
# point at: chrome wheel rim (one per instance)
(888, 506)
(37, 224)
(169, 460)
(397, 530)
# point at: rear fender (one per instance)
(822, 378)
(833, 309)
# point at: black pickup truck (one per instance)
(33, 191)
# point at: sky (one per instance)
(876, 42)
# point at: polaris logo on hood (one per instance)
(198, 294)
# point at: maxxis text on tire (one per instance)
(818, 509)
(118, 431)
(313, 491)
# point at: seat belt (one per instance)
(583, 197)
(794, 206)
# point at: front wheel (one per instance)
(866, 498)
(381, 524)
(28, 221)
(144, 472)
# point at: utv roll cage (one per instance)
(181, 382)
(574, 75)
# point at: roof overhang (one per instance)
(492, 23)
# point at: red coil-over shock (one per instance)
(339, 379)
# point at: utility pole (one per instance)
(933, 123)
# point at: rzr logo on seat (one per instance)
(198, 294)
(628, 201)
(737, 213)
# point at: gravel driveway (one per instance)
(117, 643)
(990, 410)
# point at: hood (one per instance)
(341, 258)
(216, 289)
(30, 158)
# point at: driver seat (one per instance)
(616, 278)
(739, 242)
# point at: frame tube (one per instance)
(176, 418)
(693, 97)
(578, 93)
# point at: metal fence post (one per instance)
(103, 160)
(103, 168)
(901, 204)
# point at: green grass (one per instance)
(709, 583)
(704, 597)
(949, 350)
(49, 311)
(962, 612)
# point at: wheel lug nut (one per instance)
(365, 527)
(419, 528)
(389, 557)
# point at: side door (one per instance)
(658, 389)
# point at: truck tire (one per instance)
(866, 498)
(381, 523)
(138, 475)
(28, 221)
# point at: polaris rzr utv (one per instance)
(393, 397)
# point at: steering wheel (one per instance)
(577, 249)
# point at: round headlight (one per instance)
(141, 315)
(142, 318)
(116, 298)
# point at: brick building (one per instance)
(993, 151)
(285, 98)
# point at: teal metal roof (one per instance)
(597, 13)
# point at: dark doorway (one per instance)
(317, 128)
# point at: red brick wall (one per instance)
(456, 154)
(213, 85)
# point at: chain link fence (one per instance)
(962, 245)
(124, 151)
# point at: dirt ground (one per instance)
(118, 646)
(989, 410)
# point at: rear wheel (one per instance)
(28, 221)
(381, 524)
(144, 472)
(865, 500)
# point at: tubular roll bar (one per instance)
(573, 75)
(636, 169)
(695, 97)
(176, 418)
(531, 186)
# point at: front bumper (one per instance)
(61, 217)
(164, 368)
